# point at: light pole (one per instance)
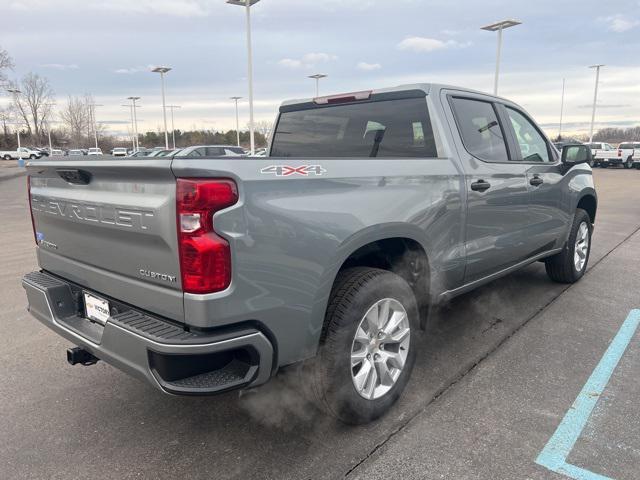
(247, 4)
(561, 112)
(237, 119)
(595, 100)
(317, 77)
(135, 121)
(162, 71)
(15, 93)
(133, 139)
(49, 128)
(499, 27)
(93, 121)
(173, 128)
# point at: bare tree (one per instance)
(263, 126)
(6, 63)
(34, 103)
(76, 118)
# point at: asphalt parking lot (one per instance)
(497, 372)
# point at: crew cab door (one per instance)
(497, 193)
(549, 215)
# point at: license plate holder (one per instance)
(96, 308)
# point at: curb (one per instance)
(13, 175)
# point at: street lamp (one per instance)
(49, 129)
(237, 119)
(173, 128)
(93, 121)
(499, 27)
(595, 99)
(561, 112)
(162, 71)
(133, 139)
(136, 146)
(15, 93)
(317, 77)
(247, 4)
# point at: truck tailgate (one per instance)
(110, 226)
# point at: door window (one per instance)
(480, 129)
(533, 146)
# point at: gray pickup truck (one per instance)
(202, 275)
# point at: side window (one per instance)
(480, 129)
(215, 152)
(533, 146)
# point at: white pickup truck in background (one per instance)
(627, 154)
(22, 152)
(597, 147)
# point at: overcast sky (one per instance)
(105, 48)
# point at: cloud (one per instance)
(60, 66)
(423, 44)
(308, 60)
(620, 23)
(368, 67)
(172, 8)
(132, 70)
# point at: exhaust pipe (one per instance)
(80, 355)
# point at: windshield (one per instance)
(390, 128)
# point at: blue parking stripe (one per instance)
(555, 453)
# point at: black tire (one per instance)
(604, 165)
(561, 267)
(355, 291)
(7, 157)
(32, 157)
(637, 166)
(629, 163)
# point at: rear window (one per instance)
(389, 128)
(626, 146)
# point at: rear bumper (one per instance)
(152, 349)
(610, 161)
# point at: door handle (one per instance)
(480, 186)
(536, 181)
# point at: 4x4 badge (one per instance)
(286, 170)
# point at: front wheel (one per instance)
(569, 265)
(368, 346)
(32, 157)
(629, 163)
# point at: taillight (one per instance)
(205, 257)
(619, 153)
(33, 223)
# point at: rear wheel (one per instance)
(569, 265)
(7, 157)
(629, 163)
(368, 350)
(32, 157)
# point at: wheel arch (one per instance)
(402, 244)
(589, 203)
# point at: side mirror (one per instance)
(575, 154)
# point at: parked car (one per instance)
(75, 153)
(627, 154)
(597, 147)
(141, 153)
(211, 275)
(57, 153)
(94, 151)
(22, 152)
(212, 151)
(119, 152)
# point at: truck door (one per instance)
(497, 194)
(548, 219)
